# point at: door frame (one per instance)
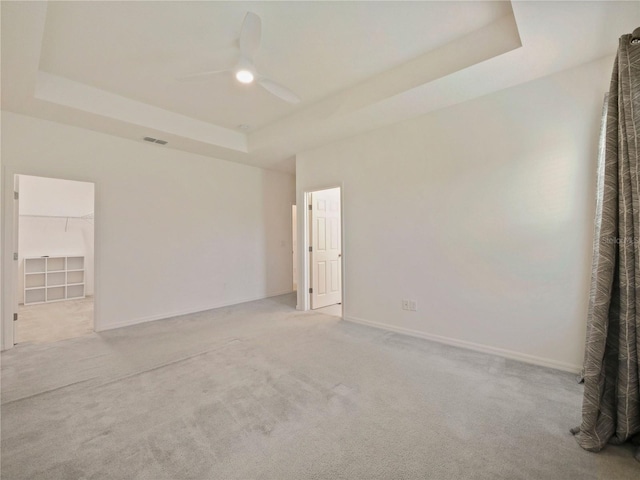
(294, 247)
(304, 263)
(9, 270)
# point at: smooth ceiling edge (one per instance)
(350, 109)
(69, 93)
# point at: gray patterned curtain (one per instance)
(611, 403)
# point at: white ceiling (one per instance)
(112, 66)
(137, 49)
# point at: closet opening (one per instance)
(55, 250)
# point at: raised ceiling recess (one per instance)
(353, 66)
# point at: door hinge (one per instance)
(310, 249)
(16, 195)
(311, 290)
(15, 256)
(15, 317)
(310, 207)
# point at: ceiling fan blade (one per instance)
(250, 35)
(278, 90)
(202, 75)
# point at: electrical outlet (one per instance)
(405, 304)
(413, 306)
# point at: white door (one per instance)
(325, 246)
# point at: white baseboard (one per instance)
(162, 316)
(501, 352)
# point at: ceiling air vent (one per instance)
(154, 140)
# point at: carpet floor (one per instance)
(261, 391)
(51, 322)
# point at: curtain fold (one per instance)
(611, 373)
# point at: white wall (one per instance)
(43, 199)
(481, 212)
(174, 232)
(54, 197)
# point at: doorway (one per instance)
(55, 259)
(324, 223)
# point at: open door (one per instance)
(326, 278)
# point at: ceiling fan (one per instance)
(245, 71)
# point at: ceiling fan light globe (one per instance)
(244, 76)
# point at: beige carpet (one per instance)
(51, 322)
(333, 310)
(262, 391)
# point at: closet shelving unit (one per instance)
(53, 279)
